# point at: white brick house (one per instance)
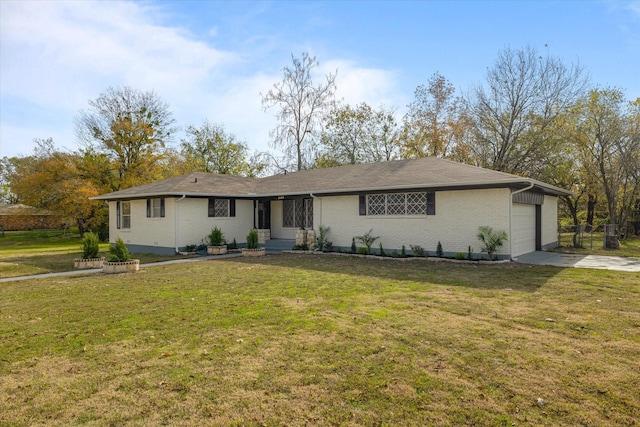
(405, 202)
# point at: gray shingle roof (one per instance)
(427, 173)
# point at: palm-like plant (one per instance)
(491, 240)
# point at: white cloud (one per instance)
(357, 84)
(56, 56)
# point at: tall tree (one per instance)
(358, 135)
(63, 182)
(524, 93)
(609, 148)
(210, 148)
(436, 123)
(132, 128)
(302, 105)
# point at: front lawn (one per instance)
(23, 253)
(306, 339)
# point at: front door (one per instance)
(264, 215)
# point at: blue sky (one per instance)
(211, 60)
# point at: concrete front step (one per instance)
(279, 245)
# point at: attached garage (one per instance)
(523, 229)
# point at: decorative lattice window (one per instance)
(376, 204)
(218, 207)
(288, 213)
(416, 203)
(308, 213)
(297, 213)
(396, 204)
(401, 204)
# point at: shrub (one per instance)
(417, 250)
(439, 251)
(492, 240)
(403, 252)
(363, 251)
(460, 256)
(252, 239)
(353, 245)
(470, 253)
(322, 237)
(119, 252)
(367, 240)
(216, 238)
(302, 247)
(382, 251)
(90, 246)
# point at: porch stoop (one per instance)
(279, 245)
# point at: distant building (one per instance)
(23, 217)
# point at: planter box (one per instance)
(217, 250)
(121, 267)
(253, 252)
(86, 263)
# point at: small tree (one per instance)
(216, 238)
(119, 252)
(252, 240)
(90, 246)
(439, 251)
(367, 240)
(492, 240)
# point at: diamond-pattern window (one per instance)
(396, 204)
(308, 213)
(376, 204)
(416, 203)
(297, 213)
(401, 204)
(288, 214)
(221, 207)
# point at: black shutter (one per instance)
(232, 207)
(118, 214)
(431, 203)
(363, 204)
(148, 208)
(212, 207)
(161, 208)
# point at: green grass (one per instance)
(592, 244)
(24, 253)
(306, 339)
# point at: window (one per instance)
(123, 214)
(297, 213)
(222, 207)
(398, 204)
(155, 208)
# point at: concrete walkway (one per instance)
(581, 261)
(99, 270)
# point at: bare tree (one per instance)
(524, 93)
(302, 106)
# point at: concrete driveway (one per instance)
(581, 261)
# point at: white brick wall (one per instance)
(455, 225)
(194, 223)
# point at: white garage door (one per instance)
(523, 229)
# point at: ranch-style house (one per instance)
(405, 202)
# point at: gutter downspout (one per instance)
(522, 190)
(176, 222)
